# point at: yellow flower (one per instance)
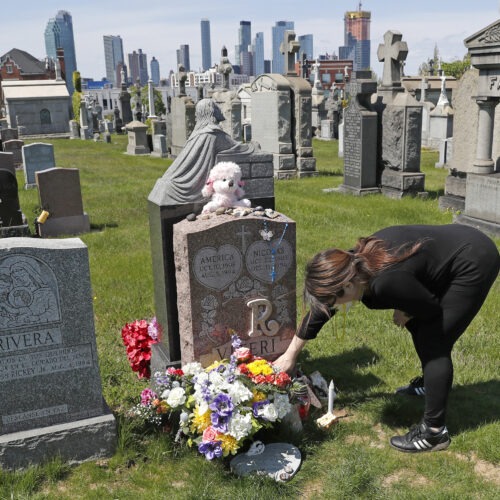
(258, 396)
(229, 444)
(200, 422)
(215, 364)
(260, 367)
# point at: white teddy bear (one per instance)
(224, 186)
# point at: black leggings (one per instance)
(474, 271)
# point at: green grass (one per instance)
(366, 355)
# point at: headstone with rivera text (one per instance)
(50, 387)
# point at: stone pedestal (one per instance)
(396, 184)
(137, 138)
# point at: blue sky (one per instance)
(160, 26)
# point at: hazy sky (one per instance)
(158, 27)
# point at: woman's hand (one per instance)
(400, 318)
(286, 362)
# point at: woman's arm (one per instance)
(286, 362)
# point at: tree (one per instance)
(159, 104)
(77, 94)
(456, 68)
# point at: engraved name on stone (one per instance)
(45, 362)
(27, 340)
(216, 268)
(33, 414)
(260, 262)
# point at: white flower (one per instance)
(192, 368)
(240, 425)
(282, 404)
(165, 393)
(202, 407)
(184, 420)
(217, 380)
(270, 413)
(177, 397)
(176, 383)
(238, 392)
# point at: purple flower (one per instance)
(219, 422)
(222, 405)
(257, 408)
(153, 329)
(235, 341)
(211, 449)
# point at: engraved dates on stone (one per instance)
(216, 268)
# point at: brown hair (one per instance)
(330, 270)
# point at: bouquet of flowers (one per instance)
(220, 407)
(138, 337)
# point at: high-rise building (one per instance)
(59, 34)
(138, 67)
(113, 57)
(278, 36)
(206, 48)
(258, 54)
(244, 41)
(306, 47)
(183, 57)
(155, 71)
(357, 38)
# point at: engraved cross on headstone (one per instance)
(182, 77)
(392, 53)
(289, 47)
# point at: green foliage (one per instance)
(77, 81)
(456, 68)
(76, 98)
(144, 97)
(366, 355)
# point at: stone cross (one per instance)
(182, 77)
(151, 98)
(392, 53)
(290, 47)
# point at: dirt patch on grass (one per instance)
(484, 469)
(311, 490)
(408, 477)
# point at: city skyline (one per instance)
(160, 30)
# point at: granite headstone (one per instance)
(52, 403)
(36, 157)
(235, 275)
(60, 194)
(12, 221)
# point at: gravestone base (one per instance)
(306, 166)
(491, 228)
(74, 224)
(15, 231)
(138, 150)
(396, 184)
(284, 162)
(344, 188)
(74, 442)
(454, 189)
(451, 202)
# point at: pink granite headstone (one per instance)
(235, 275)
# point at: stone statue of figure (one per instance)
(182, 77)
(225, 68)
(183, 181)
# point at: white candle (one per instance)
(331, 396)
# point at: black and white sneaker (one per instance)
(421, 438)
(414, 388)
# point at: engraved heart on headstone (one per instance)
(216, 268)
(259, 259)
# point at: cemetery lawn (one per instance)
(364, 353)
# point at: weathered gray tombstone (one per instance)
(137, 138)
(465, 126)
(482, 197)
(117, 121)
(159, 139)
(360, 137)
(440, 119)
(60, 194)
(401, 125)
(428, 106)
(178, 193)
(36, 156)
(341, 139)
(74, 129)
(235, 275)
(228, 100)
(85, 125)
(182, 116)
(14, 146)
(52, 403)
(12, 221)
(124, 99)
(7, 134)
(7, 162)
